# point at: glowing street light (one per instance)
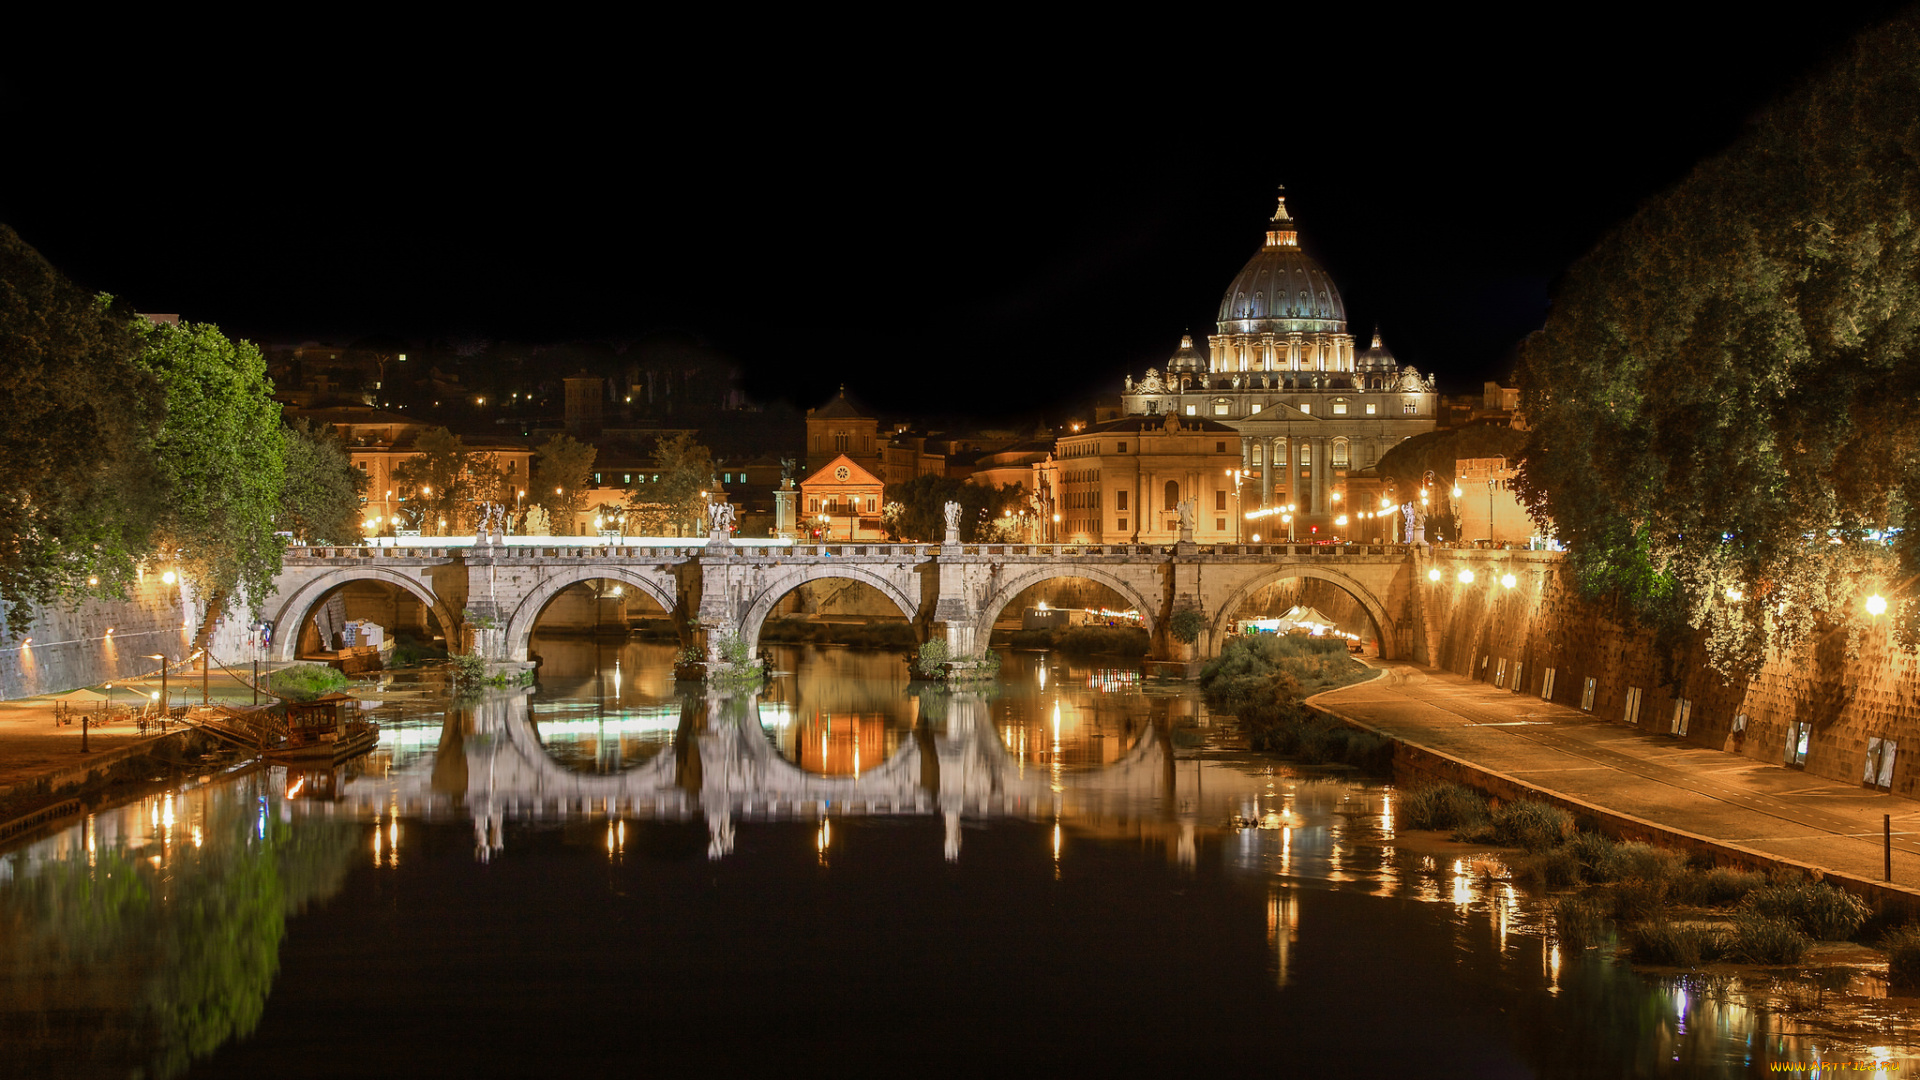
(1433, 574)
(1466, 577)
(1876, 605)
(1508, 580)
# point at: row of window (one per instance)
(831, 505)
(1223, 408)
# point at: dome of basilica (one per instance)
(1282, 290)
(1376, 358)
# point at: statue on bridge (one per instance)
(720, 518)
(953, 522)
(1189, 512)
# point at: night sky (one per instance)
(951, 217)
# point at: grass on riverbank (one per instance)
(1263, 681)
(305, 682)
(1667, 910)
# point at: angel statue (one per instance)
(1189, 510)
(720, 517)
(953, 519)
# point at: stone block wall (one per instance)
(71, 648)
(1850, 685)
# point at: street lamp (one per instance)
(161, 657)
(1239, 476)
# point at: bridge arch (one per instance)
(762, 603)
(1015, 584)
(1383, 625)
(291, 614)
(521, 623)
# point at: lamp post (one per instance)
(1489, 510)
(163, 683)
(1238, 475)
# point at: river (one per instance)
(1073, 871)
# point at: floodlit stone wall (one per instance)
(1849, 686)
(70, 647)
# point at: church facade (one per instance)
(1281, 371)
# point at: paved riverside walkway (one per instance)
(33, 749)
(1722, 796)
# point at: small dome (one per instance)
(1187, 358)
(1376, 357)
(1281, 290)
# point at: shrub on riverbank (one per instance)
(1903, 955)
(1672, 944)
(1580, 922)
(1442, 807)
(1822, 912)
(305, 682)
(1262, 681)
(1526, 824)
(1760, 939)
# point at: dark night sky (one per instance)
(993, 221)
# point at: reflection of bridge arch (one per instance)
(1016, 584)
(762, 604)
(898, 777)
(521, 623)
(1376, 611)
(291, 616)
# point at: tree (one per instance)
(562, 473)
(444, 487)
(221, 457)
(1405, 467)
(675, 500)
(320, 500)
(921, 516)
(82, 486)
(1721, 401)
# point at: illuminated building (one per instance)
(1281, 371)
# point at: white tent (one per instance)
(1305, 618)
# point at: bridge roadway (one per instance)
(488, 598)
(723, 767)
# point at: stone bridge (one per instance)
(489, 598)
(722, 766)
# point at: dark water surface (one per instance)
(601, 877)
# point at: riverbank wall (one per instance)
(98, 641)
(1843, 703)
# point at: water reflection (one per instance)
(1112, 813)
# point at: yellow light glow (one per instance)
(1736, 595)
(1433, 574)
(1456, 491)
(1508, 580)
(1876, 605)
(167, 577)
(1466, 577)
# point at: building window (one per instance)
(1172, 498)
(1123, 525)
(1256, 407)
(1256, 453)
(627, 478)
(1122, 449)
(1193, 410)
(1220, 408)
(840, 440)
(1409, 409)
(1339, 453)
(870, 504)
(1220, 500)
(1340, 408)
(1372, 408)
(1120, 501)
(1220, 524)
(813, 506)
(1307, 407)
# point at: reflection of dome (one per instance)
(1281, 290)
(1376, 358)
(1188, 358)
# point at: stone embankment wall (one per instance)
(1846, 687)
(66, 648)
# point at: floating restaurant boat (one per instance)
(318, 732)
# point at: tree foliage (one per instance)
(562, 473)
(221, 456)
(1722, 399)
(82, 490)
(447, 482)
(921, 516)
(685, 469)
(320, 501)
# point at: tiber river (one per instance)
(1200, 909)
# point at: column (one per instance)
(1319, 450)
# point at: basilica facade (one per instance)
(1308, 411)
